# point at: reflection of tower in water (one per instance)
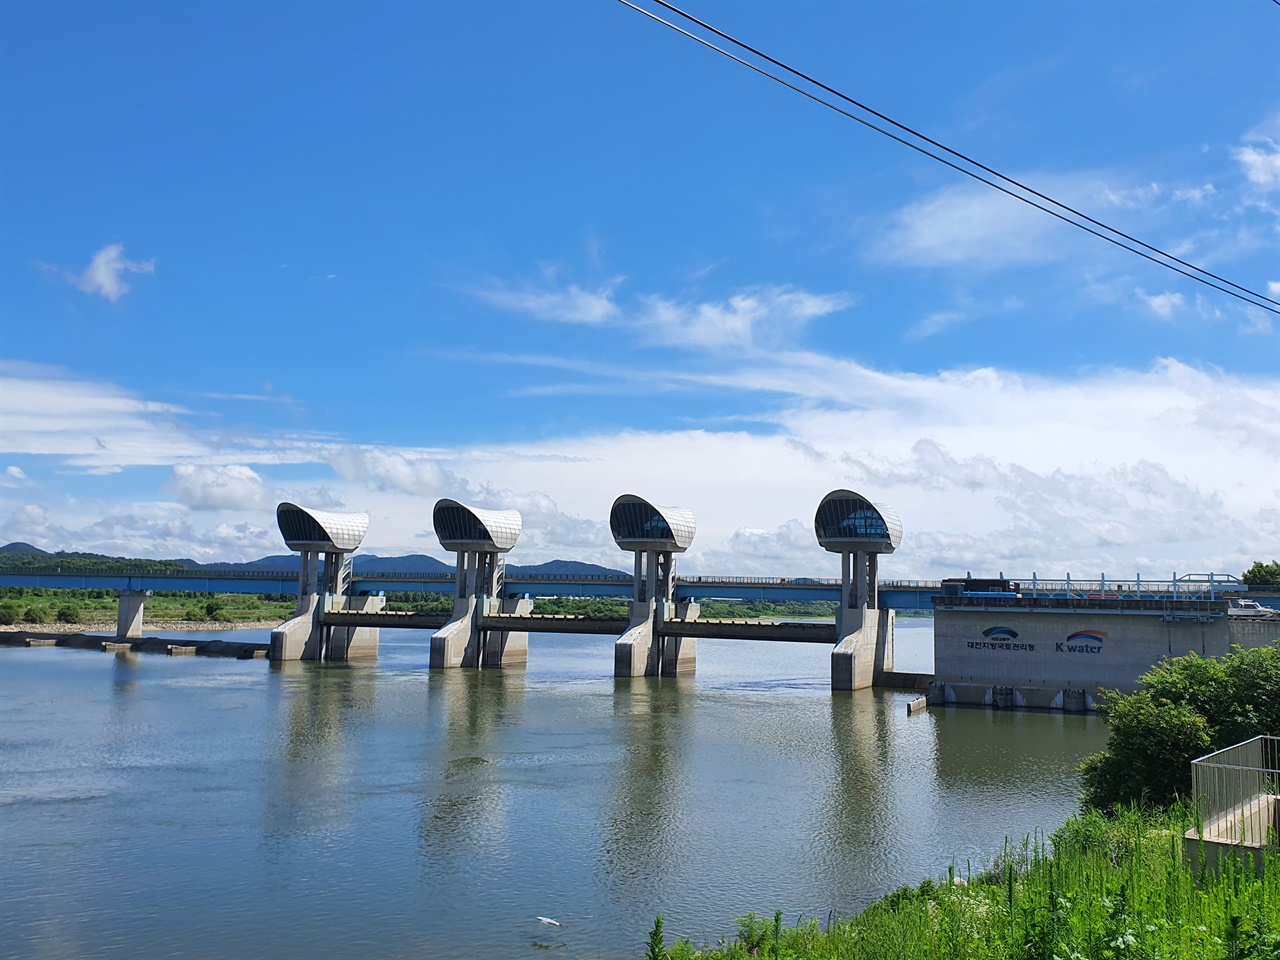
(465, 800)
(852, 843)
(644, 814)
(312, 770)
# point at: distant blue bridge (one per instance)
(894, 594)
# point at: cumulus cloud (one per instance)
(105, 274)
(151, 530)
(988, 468)
(231, 487)
(1260, 163)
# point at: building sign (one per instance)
(1000, 638)
(1082, 641)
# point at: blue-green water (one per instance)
(189, 807)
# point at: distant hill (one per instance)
(19, 547)
(563, 568)
(16, 557)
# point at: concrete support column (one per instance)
(129, 613)
(642, 651)
(463, 641)
(865, 647)
(305, 636)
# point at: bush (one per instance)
(35, 614)
(1191, 706)
(69, 613)
(8, 614)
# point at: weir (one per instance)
(479, 537)
(326, 542)
(655, 535)
(850, 525)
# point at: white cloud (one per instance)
(762, 317)
(972, 225)
(1195, 195)
(1256, 322)
(230, 487)
(1163, 305)
(1260, 163)
(571, 305)
(989, 470)
(105, 273)
(934, 323)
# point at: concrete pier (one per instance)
(325, 542)
(479, 537)
(655, 535)
(850, 525)
(129, 613)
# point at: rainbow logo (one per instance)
(1087, 636)
(1000, 633)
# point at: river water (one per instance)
(156, 806)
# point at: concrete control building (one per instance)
(1002, 647)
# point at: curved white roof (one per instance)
(305, 529)
(637, 524)
(848, 521)
(461, 527)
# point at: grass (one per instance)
(1106, 888)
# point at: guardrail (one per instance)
(1238, 791)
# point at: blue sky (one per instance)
(537, 255)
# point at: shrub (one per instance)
(35, 614)
(1191, 706)
(69, 613)
(8, 614)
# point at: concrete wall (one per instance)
(1030, 647)
(1254, 633)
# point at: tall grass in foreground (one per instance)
(1105, 888)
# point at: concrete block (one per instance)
(918, 705)
(181, 650)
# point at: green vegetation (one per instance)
(1108, 888)
(1190, 706)
(1263, 574)
(768, 609)
(40, 605)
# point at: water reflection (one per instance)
(644, 813)
(309, 781)
(465, 799)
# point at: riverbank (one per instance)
(1117, 887)
(105, 626)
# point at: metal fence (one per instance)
(1238, 791)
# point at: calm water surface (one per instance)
(187, 807)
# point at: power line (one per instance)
(1199, 275)
(956, 153)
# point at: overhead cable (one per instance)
(1169, 261)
